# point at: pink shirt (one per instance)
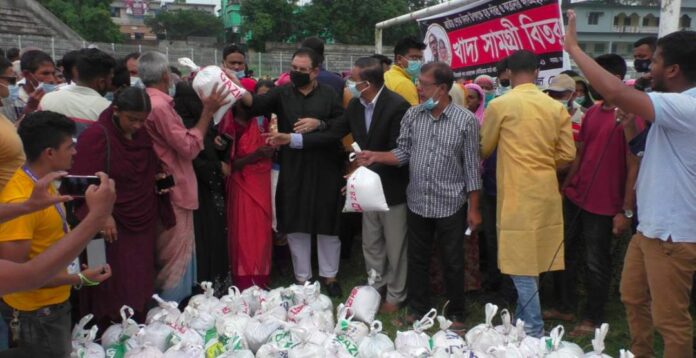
(176, 147)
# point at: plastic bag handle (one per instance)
(375, 327)
(126, 314)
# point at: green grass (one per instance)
(352, 273)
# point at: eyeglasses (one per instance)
(10, 79)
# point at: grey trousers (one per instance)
(43, 333)
(385, 247)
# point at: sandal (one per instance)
(585, 328)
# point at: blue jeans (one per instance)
(528, 305)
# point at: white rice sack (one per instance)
(364, 192)
(416, 341)
(307, 293)
(528, 346)
(375, 343)
(207, 78)
(508, 351)
(318, 321)
(228, 342)
(165, 312)
(394, 354)
(229, 323)
(345, 325)
(299, 312)
(340, 346)
(202, 322)
(282, 297)
(322, 304)
(447, 340)
(270, 309)
(598, 342)
(183, 350)
(364, 301)
(257, 332)
(182, 331)
(506, 328)
(560, 348)
(157, 334)
(205, 301)
(120, 332)
(484, 336)
(307, 350)
(244, 353)
(624, 353)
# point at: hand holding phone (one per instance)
(164, 183)
(76, 185)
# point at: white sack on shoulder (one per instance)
(207, 78)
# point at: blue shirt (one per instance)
(666, 188)
(370, 109)
(332, 80)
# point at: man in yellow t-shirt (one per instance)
(43, 315)
(408, 58)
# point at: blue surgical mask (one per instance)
(14, 92)
(172, 90)
(352, 87)
(47, 87)
(490, 95)
(580, 100)
(136, 82)
(240, 74)
(431, 103)
(109, 96)
(414, 68)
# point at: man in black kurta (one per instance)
(308, 198)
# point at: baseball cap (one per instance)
(561, 83)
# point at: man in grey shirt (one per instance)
(439, 141)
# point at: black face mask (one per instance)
(641, 65)
(299, 79)
(505, 83)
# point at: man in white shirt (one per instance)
(661, 258)
(84, 101)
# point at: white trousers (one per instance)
(328, 250)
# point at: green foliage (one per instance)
(90, 18)
(180, 24)
(345, 21)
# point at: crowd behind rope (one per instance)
(491, 183)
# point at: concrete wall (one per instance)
(46, 17)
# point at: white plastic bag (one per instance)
(364, 192)
(528, 346)
(83, 345)
(598, 342)
(484, 336)
(345, 325)
(282, 297)
(560, 348)
(449, 341)
(258, 331)
(207, 78)
(118, 334)
(232, 323)
(271, 351)
(507, 351)
(363, 301)
(340, 346)
(184, 350)
(624, 353)
(166, 312)
(182, 331)
(416, 341)
(375, 343)
(506, 328)
(244, 353)
(145, 351)
(205, 301)
(253, 296)
(232, 303)
(157, 334)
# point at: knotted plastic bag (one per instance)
(210, 76)
(253, 296)
(258, 331)
(83, 345)
(145, 351)
(506, 328)
(182, 332)
(598, 342)
(557, 348)
(116, 340)
(345, 326)
(166, 312)
(184, 350)
(624, 353)
(232, 303)
(375, 343)
(205, 301)
(416, 341)
(340, 346)
(449, 341)
(484, 336)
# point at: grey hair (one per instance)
(152, 66)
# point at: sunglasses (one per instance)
(10, 79)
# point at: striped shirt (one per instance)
(443, 158)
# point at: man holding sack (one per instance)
(439, 141)
(373, 117)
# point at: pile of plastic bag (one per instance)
(299, 321)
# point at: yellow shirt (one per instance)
(533, 135)
(397, 80)
(43, 228)
(11, 150)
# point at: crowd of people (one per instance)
(491, 182)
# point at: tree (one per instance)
(267, 20)
(180, 24)
(89, 18)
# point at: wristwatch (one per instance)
(628, 213)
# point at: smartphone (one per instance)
(76, 185)
(165, 183)
(96, 252)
